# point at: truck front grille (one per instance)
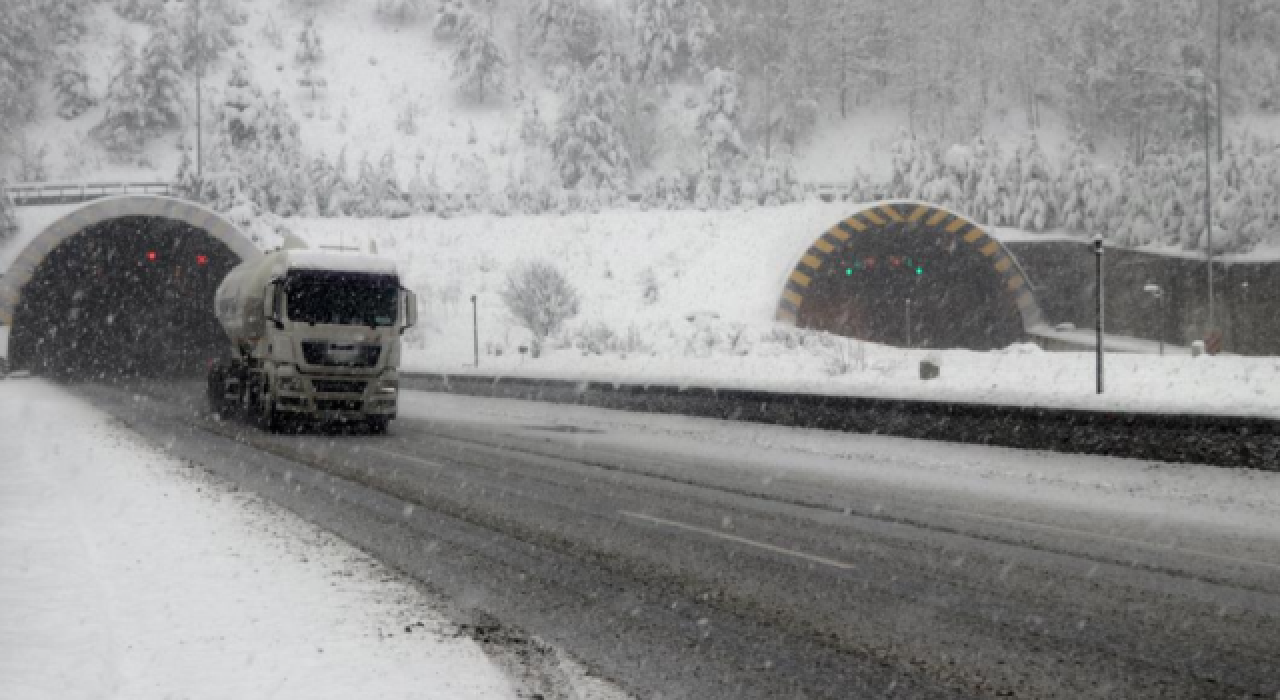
(339, 405)
(335, 386)
(316, 352)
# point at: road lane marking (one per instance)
(740, 540)
(397, 455)
(1118, 539)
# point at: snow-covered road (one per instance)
(127, 574)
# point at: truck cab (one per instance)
(315, 336)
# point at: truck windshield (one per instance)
(341, 298)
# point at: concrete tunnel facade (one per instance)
(911, 274)
(121, 286)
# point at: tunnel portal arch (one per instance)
(911, 274)
(36, 291)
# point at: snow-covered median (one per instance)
(126, 574)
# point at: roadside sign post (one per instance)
(1155, 291)
(1097, 251)
(908, 322)
(475, 328)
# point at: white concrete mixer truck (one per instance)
(315, 336)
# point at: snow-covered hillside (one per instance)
(688, 297)
(1070, 117)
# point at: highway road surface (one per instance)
(685, 558)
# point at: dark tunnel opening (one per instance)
(127, 297)
(912, 287)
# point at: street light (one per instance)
(475, 328)
(1155, 291)
(908, 322)
(1098, 292)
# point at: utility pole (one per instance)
(475, 328)
(1157, 292)
(1218, 80)
(908, 322)
(1099, 293)
(199, 99)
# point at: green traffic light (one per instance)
(919, 270)
(849, 271)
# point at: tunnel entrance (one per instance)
(911, 275)
(129, 296)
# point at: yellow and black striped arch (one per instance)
(890, 218)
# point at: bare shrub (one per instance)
(843, 355)
(540, 298)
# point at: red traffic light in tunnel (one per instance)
(152, 256)
(202, 259)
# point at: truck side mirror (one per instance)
(410, 310)
(272, 302)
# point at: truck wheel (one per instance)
(269, 417)
(378, 426)
(217, 392)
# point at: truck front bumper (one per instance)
(331, 399)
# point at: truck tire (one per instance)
(378, 426)
(216, 390)
(268, 416)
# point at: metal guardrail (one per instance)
(35, 194)
(1228, 441)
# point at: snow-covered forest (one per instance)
(583, 104)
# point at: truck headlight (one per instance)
(388, 386)
(289, 384)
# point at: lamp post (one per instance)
(475, 329)
(199, 106)
(908, 322)
(1156, 292)
(1099, 293)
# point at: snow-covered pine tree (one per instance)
(242, 103)
(449, 16)
(399, 10)
(309, 54)
(944, 183)
(587, 146)
(658, 39)
(1036, 210)
(672, 38)
(140, 10)
(186, 181)
(479, 65)
(218, 20)
(310, 50)
(718, 121)
(24, 52)
(533, 131)
(392, 202)
(319, 175)
(123, 128)
(699, 32)
(273, 159)
(424, 192)
(67, 21)
(160, 78)
(71, 83)
(1073, 185)
(8, 216)
(563, 32)
(367, 189)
